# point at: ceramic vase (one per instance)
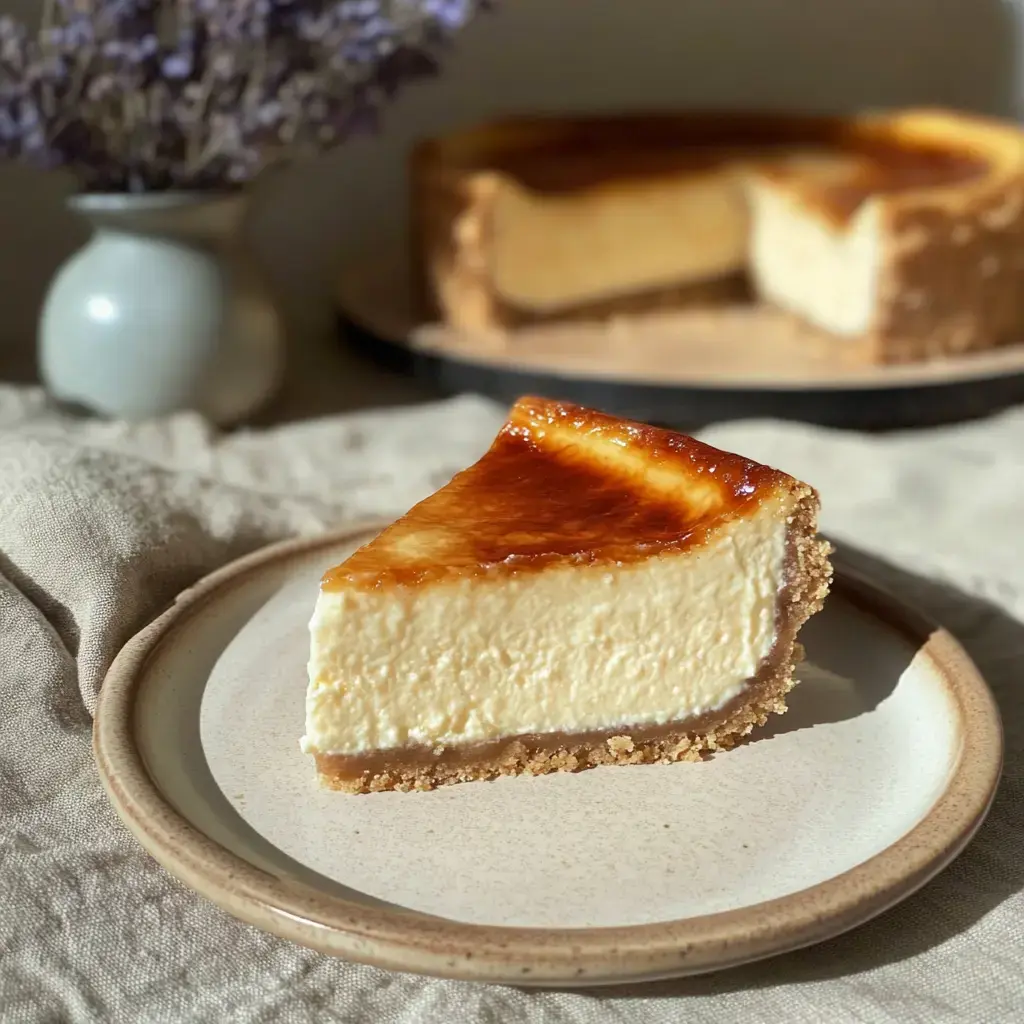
(163, 310)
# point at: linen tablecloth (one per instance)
(101, 524)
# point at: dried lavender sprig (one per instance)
(144, 94)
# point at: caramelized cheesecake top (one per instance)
(884, 154)
(564, 484)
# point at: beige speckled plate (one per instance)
(875, 780)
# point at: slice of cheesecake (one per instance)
(592, 591)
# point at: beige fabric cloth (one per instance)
(101, 524)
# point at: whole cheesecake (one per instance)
(591, 592)
(901, 233)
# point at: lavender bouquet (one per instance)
(150, 95)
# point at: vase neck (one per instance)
(196, 220)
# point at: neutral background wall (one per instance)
(559, 55)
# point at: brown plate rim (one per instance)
(408, 941)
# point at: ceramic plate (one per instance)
(682, 368)
(876, 778)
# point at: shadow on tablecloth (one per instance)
(991, 869)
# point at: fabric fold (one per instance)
(101, 524)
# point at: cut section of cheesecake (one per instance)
(901, 231)
(915, 248)
(592, 591)
(526, 219)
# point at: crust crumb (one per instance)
(620, 745)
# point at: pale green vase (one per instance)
(163, 310)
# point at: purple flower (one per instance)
(77, 31)
(129, 100)
(177, 65)
(358, 8)
(451, 15)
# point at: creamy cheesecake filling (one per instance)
(803, 261)
(550, 252)
(567, 650)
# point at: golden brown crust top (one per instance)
(908, 151)
(881, 170)
(564, 484)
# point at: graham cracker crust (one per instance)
(806, 582)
